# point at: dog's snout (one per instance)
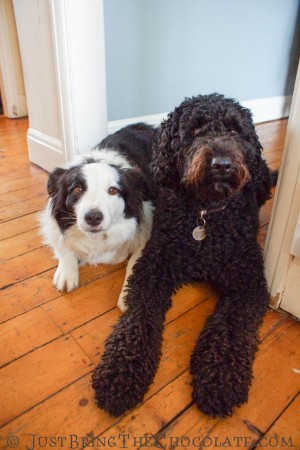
(221, 165)
(93, 217)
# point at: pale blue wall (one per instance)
(160, 51)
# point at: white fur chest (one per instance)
(112, 246)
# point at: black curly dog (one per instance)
(211, 177)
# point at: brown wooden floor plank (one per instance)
(17, 226)
(287, 426)
(272, 320)
(23, 208)
(275, 383)
(20, 244)
(193, 429)
(23, 183)
(39, 289)
(87, 302)
(25, 266)
(11, 198)
(71, 411)
(19, 170)
(273, 128)
(36, 376)
(25, 333)
(14, 168)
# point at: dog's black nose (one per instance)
(93, 217)
(221, 165)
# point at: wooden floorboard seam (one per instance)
(256, 444)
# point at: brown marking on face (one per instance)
(198, 166)
(199, 175)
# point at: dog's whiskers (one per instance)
(68, 221)
(67, 213)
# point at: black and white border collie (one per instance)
(100, 207)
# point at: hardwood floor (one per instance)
(51, 341)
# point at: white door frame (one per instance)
(64, 73)
(11, 76)
(78, 41)
(286, 205)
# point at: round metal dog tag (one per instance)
(199, 233)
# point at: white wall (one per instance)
(160, 51)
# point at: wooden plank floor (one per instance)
(50, 342)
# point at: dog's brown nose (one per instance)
(221, 165)
(93, 217)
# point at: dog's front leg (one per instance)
(133, 350)
(67, 272)
(221, 364)
(122, 297)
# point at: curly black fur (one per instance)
(200, 129)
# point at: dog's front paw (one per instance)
(66, 277)
(121, 302)
(218, 398)
(119, 384)
(128, 365)
(221, 381)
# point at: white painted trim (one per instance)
(79, 54)
(46, 151)
(263, 110)
(295, 248)
(11, 80)
(290, 298)
(286, 205)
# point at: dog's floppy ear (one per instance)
(262, 179)
(165, 146)
(135, 188)
(259, 170)
(54, 181)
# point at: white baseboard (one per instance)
(271, 108)
(45, 151)
(263, 110)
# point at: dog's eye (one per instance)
(113, 190)
(233, 133)
(77, 190)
